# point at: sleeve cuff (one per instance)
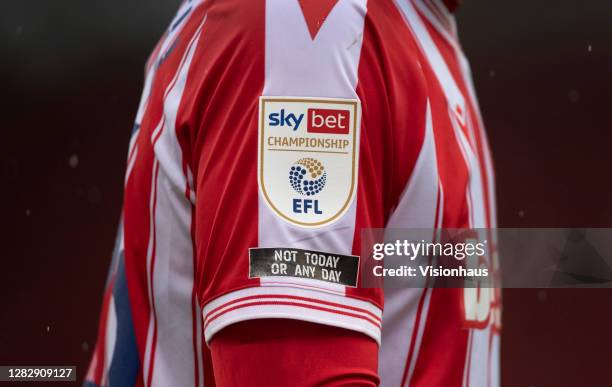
(293, 303)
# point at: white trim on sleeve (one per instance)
(292, 303)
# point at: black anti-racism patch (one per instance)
(307, 264)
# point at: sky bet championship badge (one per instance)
(308, 157)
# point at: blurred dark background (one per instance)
(71, 74)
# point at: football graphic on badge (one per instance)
(307, 157)
(307, 176)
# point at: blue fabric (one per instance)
(125, 363)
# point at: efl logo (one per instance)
(315, 143)
(330, 121)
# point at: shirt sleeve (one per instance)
(281, 171)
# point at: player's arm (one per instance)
(283, 352)
(277, 195)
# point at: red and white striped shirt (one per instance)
(209, 177)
